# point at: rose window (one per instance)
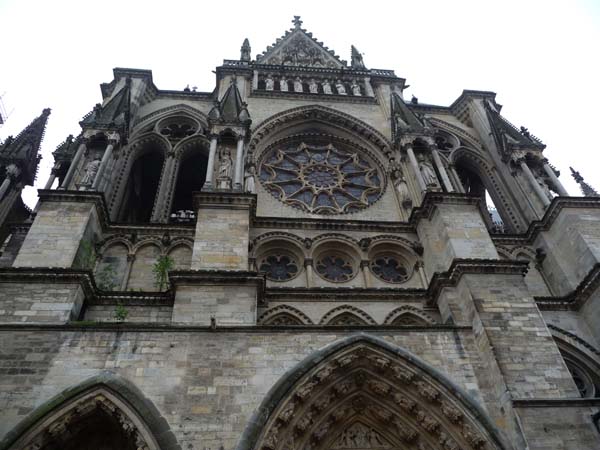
(321, 179)
(279, 267)
(389, 268)
(335, 267)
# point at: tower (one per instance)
(301, 258)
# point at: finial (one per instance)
(414, 100)
(356, 60)
(245, 51)
(46, 112)
(297, 22)
(586, 189)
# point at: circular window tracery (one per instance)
(336, 267)
(582, 380)
(389, 268)
(178, 128)
(321, 179)
(279, 266)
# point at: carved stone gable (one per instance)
(298, 48)
(360, 436)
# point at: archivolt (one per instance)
(289, 311)
(407, 311)
(360, 317)
(114, 395)
(362, 392)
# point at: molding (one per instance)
(224, 199)
(287, 223)
(575, 299)
(574, 337)
(544, 224)
(432, 199)
(555, 402)
(346, 294)
(325, 98)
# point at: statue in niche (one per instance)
(355, 89)
(313, 87)
(427, 172)
(298, 85)
(91, 171)
(249, 185)
(225, 168)
(327, 87)
(402, 189)
(269, 83)
(341, 89)
(283, 84)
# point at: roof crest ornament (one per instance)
(297, 22)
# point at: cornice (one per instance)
(348, 295)
(433, 199)
(544, 224)
(575, 299)
(288, 223)
(325, 98)
(217, 198)
(555, 402)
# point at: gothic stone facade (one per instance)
(300, 259)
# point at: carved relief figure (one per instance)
(313, 87)
(225, 168)
(283, 84)
(91, 171)
(327, 87)
(355, 88)
(249, 185)
(298, 85)
(269, 83)
(402, 190)
(341, 89)
(427, 172)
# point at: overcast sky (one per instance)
(542, 58)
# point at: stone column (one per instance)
(368, 88)
(239, 164)
(74, 163)
(442, 170)
(210, 169)
(166, 179)
(4, 187)
(255, 80)
(112, 141)
(52, 176)
(415, 165)
(125, 280)
(555, 181)
(454, 174)
(308, 266)
(364, 267)
(12, 172)
(420, 268)
(532, 180)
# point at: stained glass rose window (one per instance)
(389, 268)
(335, 267)
(321, 179)
(279, 267)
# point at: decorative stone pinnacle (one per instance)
(297, 22)
(586, 189)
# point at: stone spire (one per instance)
(23, 150)
(586, 189)
(245, 51)
(231, 108)
(356, 61)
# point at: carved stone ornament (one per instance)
(363, 398)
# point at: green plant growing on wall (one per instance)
(86, 257)
(121, 312)
(161, 269)
(105, 278)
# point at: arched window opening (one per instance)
(142, 187)
(474, 185)
(191, 177)
(585, 378)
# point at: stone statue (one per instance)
(269, 83)
(355, 88)
(12, 171)
(249, 180)
(283, 84)
(427, 172)
(341, 89)
(225, 168)
(327, 87)
(402, 190)
(545, 188)
(298, 85)
(91, 171)
(313, 87)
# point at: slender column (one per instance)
(125, 280)
(167, 177)
(12, 172)
(210, 170)
(442, 170)
(368, 88)
(536, 187)
(4, 187)
(73, 167)
(420, 267)
(457, 183)
(105, 160)
(364, 266)
(555, 181)
(239, 163)
(415, 165)
(255, 80)
(308, 266)
(51, 178)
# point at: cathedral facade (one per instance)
(301, 259)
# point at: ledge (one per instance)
(221, 198)
(433, 199)
(576, 299)
(348, 295)
(555, 402)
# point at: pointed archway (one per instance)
(105, 412)
(364, 393)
